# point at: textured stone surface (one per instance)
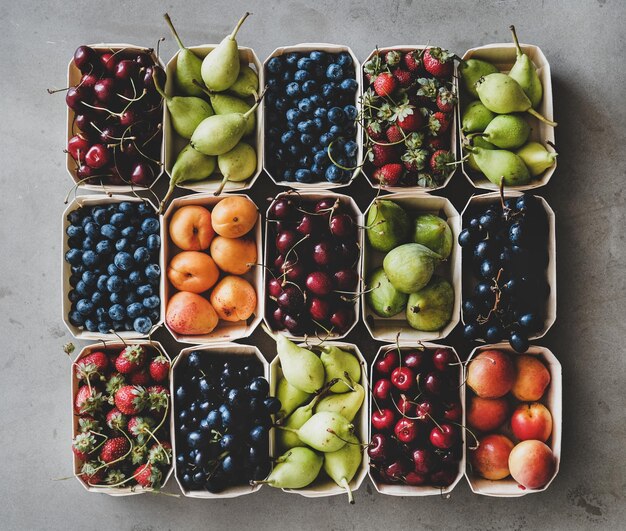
(585, 46)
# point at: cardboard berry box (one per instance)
(173, 144)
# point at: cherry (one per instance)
(97, 156)
(342, 226)
(424, 410)
(342, 318)
(443, 358)
(319, 283)
(85, 58)
(126, 69)
(278, 316)
(294, 272)
(77, 146)
(292, 323)
(142, 174)
(128, 118)
(424, 460)
(415, 359)
(74, 98)
(405, 406)
(308, 224)
(397, 470)
(383, 420)
(381, 389)
(443, 436)
(415, 479)
(84, 171)
(346, 279)
(324, 206)
(83, 122)
(282, 209)
(406, 430)
(348, 253)
(274, 287)
(324, 253)
(109, 62)
(453, 411)
(279, 262)
(291, 299)
(444, 477)
(380, 448)
(319, 309)
(144, 59)
(88, 81)
(402, 378)
(285, 240)
(388, 362)
(148, 80)
(433, 383)
(110, 134)
(104, 89)
(450, 457)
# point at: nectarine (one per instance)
(487, 414)
(192, 271)
(491, 374)
(233, 298)
(491, 459)
(234, 216)
(191, 228)
(532, 378)
(234, 255)
(190, 314)
(532, 464)
(531, 421)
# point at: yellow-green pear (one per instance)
(247, 83)
(337, 363)
(346, 404)
(188, 66)
(342, 465)
(295, 469)
(525, 73)
(236, 165)
(301, 367)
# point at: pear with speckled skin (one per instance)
(525, 73)
(536, 157)
(506, 131)
(343, 464)
(247, 83)
(295, 469)
(476, 118)
(188, 66)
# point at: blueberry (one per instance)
(150, 226)
(306, 126)
(293, 89)
(74, 217)
(288, 137)
(89, 244)
(130, 298)
(116, 298)
(126, 206)
(318, 171)
(101, 313)
(335, 130)
(155, 315)
(197, 439)
(349, 85)
(272, 404)
(78, 270)
(109, 231)
(334, 72)
(328, 90)
(305, 105)
(74, 280)
(74, 231)
(104, 247)
(326, 139)
(303, 175)
(153, 271)
(153, 242)
(117, 312)
(282, 104)
(123, 244)
(334, 174)
(76, 318)
(321, 157)
(318, 55)
(350, 112)
(112, 269)
(259, 387)
(129, 232)
(85, 220)
(123, 261)
(97, 297)
(152, 302)
(145, 290)
(294, 149)
(118, 219)
(114, 283)
(292, 115)
(84, 306)
(91, 325)
(135, 278)
(90, 258)
(350, 148)
(344, 59)
(144, 209)
(310, 87)
(275, 65)
(316, 100)
(101, 283)
(288, 175)
(142, 325)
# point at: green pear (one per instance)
(324, 431)
(525, 73)
(536, 157)
(186, 112)
(288, 439)
(302, 369)
(337, 363)
(295, 469)
(410, 266)
(236, 165)
(476, 117)
(430, 309)
(342, 465)
(472, 70)
(388, 225)
(503, 95)
(506, 131)
(222, 132)
(478, 142)
(381, 297)
(220, 67)
(346, 404)
(434, 233)
(188, 66)
(290, 397)
(223, 103)
(500, 164)
(247, 83)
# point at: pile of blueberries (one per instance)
(223, 414)
(114, 259)
(311, 116)
(506, 243)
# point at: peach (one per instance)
(234, 216)
(491, 374)
(192, 271)
(487, 414)
(532, 378)
(532, 464)
(234, 299)
(531, 421)
(491, 459)
(190, 314)
(234, 255)
(191, 228)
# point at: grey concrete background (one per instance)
(584, 42)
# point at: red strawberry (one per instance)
(393, 57)
(389, 174)
(115, 419)
(138, 454)
(374, 131)
(159, 368)
(394, 134)
(381, 155)
(404, 77)
(88, 400)
(130, 359)
(446, 100)
(160, 454)
(140, 427)
(438, 62)
(130, 399)
(94, 364)
(440, 160)
(438, 123)
(148, 475)
(410, 122)
(415, 159)
(115, 381)
(438, 142)
(385, 84)
(92, 473)
(87, 423)
(140, 377)
(158, 398)
(82, 445)
(413, 60)
(114, 449)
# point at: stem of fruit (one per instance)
(221, 186)
(233, 35)
(471, 433)
(158, 86)
(534, 113)
(339, 165)
(344, 483)
(169, 22)
(515, 41)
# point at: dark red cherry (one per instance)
(346, 279)
(77, 146)
(319, 283)
(342, 226)
(319, 309)
(104, 89)
(85, 58)
(142, 174)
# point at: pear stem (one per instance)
(344, 483)
(514, 33)
(534, 113)
(241, 21)
(256, 104)
(158, 86)
(173, 30)
(221, 186)
(208, 92)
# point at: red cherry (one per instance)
(424, 410)
(142, 174)
(294, 272)
(282, 209)
(84, 171)
(443, 358)
(84, 58)
(319, 309)
(291, 299)
(406, 430)
(402, 378)
(104, 89)
(383, 420)
(405, 406)
(319, 283)
(77, 146)
(388, 362)
(324, 206)
(414, 359)
(424, 460)
(274, 287)
(453, 411)
(342, 226)
(444, 477)
(109, 62)
(278, 317)
(126, 69)
(397, 470)
(380, 448)
(342, 318)
(285, 240)
(88, 81)
(324, 253)
(415, 479)
(443, 436)
(128, 118)
(293, 324)
(346, 279)
(97, 156)
(381, 389)
(308, 224)
(74, 98)
(434, 384)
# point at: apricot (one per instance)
(491, 459)
(233, 255)
(190, 314)
(234, 216)
(487, 414)
(532, 378)
(532, 464)
(233, 298)
(192, 271)
(491, 374)
(191, 228)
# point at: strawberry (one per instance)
(115, 381)
(414, 140)
(438, 62)
(130, 359)
(114, 449)
(159, 368)
(374, 131)
(394, 134)
(88, 400)
(440, 160)
(413, 60)
(131, 399)
(115, 419)
(148, 475)
(404, 77)
(415, 159)
(373, 67)
(411, 122)
(428, 89)
(381, 155)
(385, 84)
(140, 427)
(389, 174)
(138, 454)
(141, 377)
(114, 477)
(160, 454)
(393, 57)
(446, 100)
(87, 423)
(158, 398)
(82, 445)
(438, 123)
(427, 180)
(94, 364)
(92, 473)
(438, 142)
